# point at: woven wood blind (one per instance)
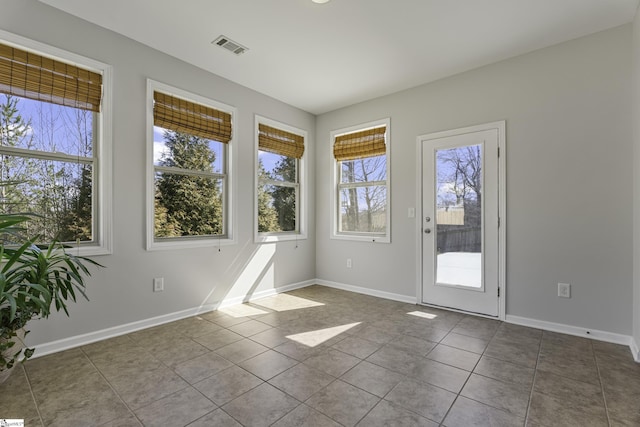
(280, 142)
(180, 115)
(360, 145)
(32, 76)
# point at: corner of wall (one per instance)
(635, 342)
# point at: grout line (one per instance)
(604, 397)
(33, 396)
(111, 386)
(533, 382)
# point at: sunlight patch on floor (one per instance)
(314, 338)
(242, 310)
(423, 314)
(285, 302)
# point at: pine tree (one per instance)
(267, 215)
(193, 203)
(14, 132)
(284, 198)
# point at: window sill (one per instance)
(362, 238)
(178, 243)
(281, 237)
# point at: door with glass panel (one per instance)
(459, 230)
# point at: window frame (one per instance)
(228, 193)
(336, 186)
(102, 147)
(301, 199)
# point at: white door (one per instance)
(459, 229)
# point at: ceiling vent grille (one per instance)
(228, 44)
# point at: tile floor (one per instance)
(323, 357)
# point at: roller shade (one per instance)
(180, 115)
(361, 144)
(33, 76)
(281, 142)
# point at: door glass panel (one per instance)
(459, 216)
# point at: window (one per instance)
(279, 189)
(188, 186)
(361, 181)
(55, 145)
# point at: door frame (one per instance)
(500, 126)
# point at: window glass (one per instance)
(46, 157)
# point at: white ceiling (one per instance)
(320, 57)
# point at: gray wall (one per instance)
(569, 179)
(122, 292)
(636, 179)
(570, 182)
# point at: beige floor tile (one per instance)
(513, 352)
(202, 367)
(241, 350)
(504, 371)
(469, 413)
(441, 375)
(146, 386)
(16, 401)
(386, 414)
(127, 421)
(271, 337)
(267, 405)
(305, 416)
(454, 356)
(550, 410)
(506, 396)
(333, 362)
(217, 418)
(429, 401)
(412, 345)
(343, 402)
(463, 342)
(268, 364)
(395, 359)
(301, 381)
(577, 381)
(357, 347)
(177, 409)
(372, 378)
(218, 339)
(227, 385)
(249, 328)
(570, 363)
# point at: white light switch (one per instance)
(412, 212)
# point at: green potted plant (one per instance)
(33, 280)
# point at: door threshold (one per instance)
(457, 310)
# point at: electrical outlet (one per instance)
(349, 265)
(158, 284)
(564, 290)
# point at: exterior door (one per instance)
(460, 224)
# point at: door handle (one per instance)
(427, 230)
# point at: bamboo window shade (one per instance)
(360, 145)
(33, 76)
(180, 115)
(281, 142)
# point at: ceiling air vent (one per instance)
(228, 44)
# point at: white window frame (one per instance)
(102, 191)
(335, 181)
(301, 220)
(228, 195)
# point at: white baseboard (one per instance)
(571, 330)
(103, 334)
(367, 291)
(635, 350)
